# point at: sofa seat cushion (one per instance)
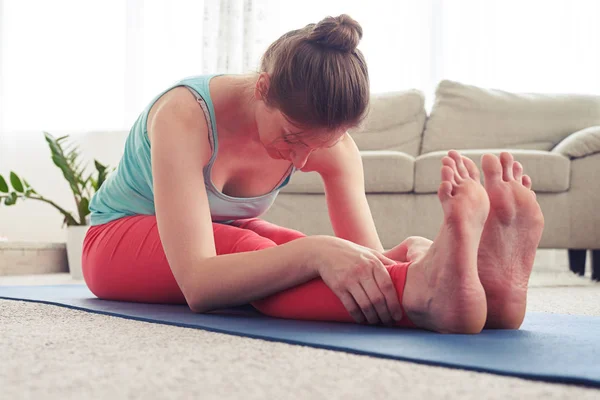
(549, 172)
(385, 172)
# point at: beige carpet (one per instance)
(50, 352)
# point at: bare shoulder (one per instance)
(179, 106)
(175, 116)
(334, 160)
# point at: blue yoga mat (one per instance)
(550, 347)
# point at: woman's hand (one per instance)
(357, 275)
(413, 248)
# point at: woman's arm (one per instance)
(341, 169)
(180, 149)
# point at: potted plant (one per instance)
(67, 157)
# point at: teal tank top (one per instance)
(129, 190)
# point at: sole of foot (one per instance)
(443, 292)
(509, 241)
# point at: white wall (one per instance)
(27, 154)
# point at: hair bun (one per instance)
(340, 33)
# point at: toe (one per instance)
(451, 164)
(448, 162)
(449, 175)
(492, 169)
(517, 171)
(460, 166)
(445, 189)
(507, 166)
(472, 168)
(526, 180)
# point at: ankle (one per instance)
(416, 298)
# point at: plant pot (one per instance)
(75, 236)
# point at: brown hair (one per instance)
(318, 78)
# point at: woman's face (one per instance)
(283, 140)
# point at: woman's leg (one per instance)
(124, 260)
(301, 302)
(276, 233)
(316, 302)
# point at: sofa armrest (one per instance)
(580, 144)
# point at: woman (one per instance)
(177, 221)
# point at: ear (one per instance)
(262, 86)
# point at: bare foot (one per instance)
(443, 292)
(509, 241)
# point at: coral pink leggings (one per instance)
(124, 260)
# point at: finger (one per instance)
(385, 260)
(364, 303)
(377, 299)
(351, 306)
(386, 285)
(398, 253)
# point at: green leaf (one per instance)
(79, 168)
(54, 147)
(3, 185)
(84, 209)
(65, 162)
(102, 173)
(100, 167)
(69, 220)
(73, 157)
(16, 183)
(28, 189)
(61, 163)
(12, 200)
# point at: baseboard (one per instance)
(32, 258)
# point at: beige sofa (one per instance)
(555, 137)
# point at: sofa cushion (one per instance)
(549, 172)
(468, 117)
(385, 172)
(583, 143)
(395, 122)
